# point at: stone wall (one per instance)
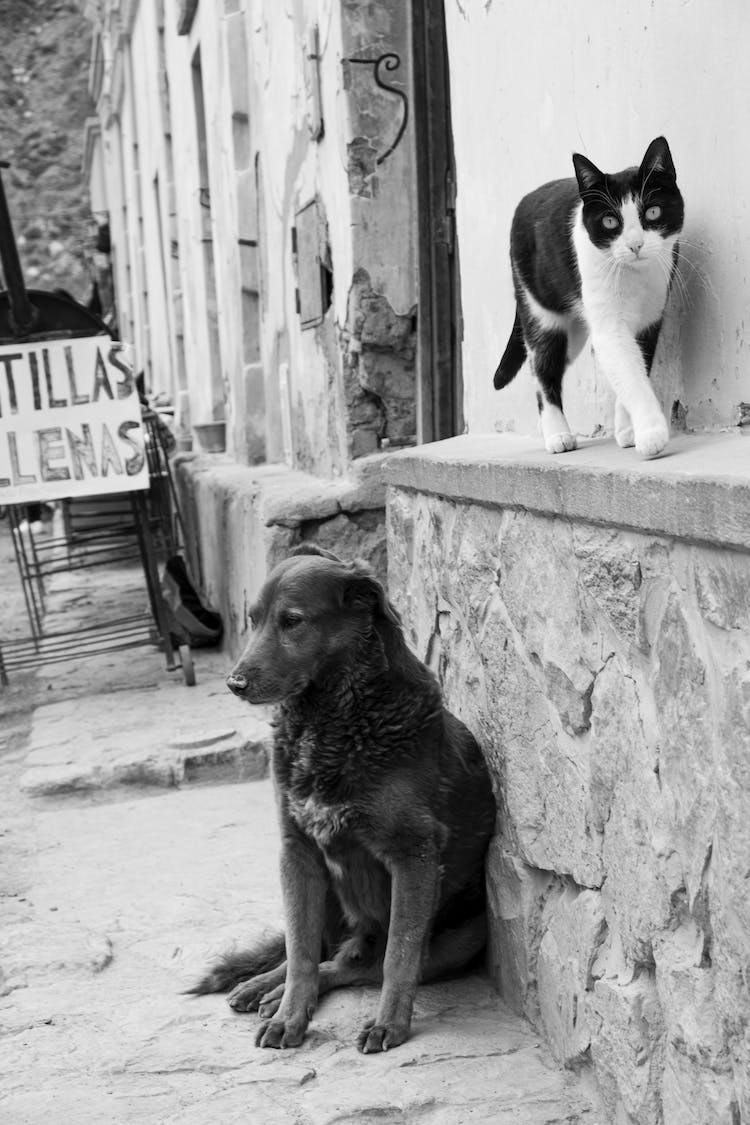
(606, 673)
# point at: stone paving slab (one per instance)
(128, 899)
(161, 735)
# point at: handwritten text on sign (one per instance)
(70, 421)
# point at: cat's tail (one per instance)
(513, 356)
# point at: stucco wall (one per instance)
(604, 671)
(530, 84)
(205, 207)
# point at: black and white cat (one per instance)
(594, 256)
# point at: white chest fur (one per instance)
(319, 819)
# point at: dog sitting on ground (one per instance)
(384, 801)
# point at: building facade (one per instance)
(288, 188)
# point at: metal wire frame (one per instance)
(94, 640)
(156, 530)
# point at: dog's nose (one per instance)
(237, 684)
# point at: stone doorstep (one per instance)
(225, 760)
(103, 750)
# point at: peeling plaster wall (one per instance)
(366, 214)
(316, 396)
(532, 83)
(379, 370)
(605, 674)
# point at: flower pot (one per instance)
(212, 436)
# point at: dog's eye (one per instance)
(290, 619)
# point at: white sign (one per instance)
(70, 421)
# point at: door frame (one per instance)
(439, 378)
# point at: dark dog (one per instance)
(384, 800)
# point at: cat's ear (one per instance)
(587, 174)
(658, 158)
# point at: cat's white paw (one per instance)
(560, 443)
(650, 442)
(624, 430)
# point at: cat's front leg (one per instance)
(620, 357)
(624, 433)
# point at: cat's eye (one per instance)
(653, 213)
(610, 222)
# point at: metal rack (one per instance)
(147, 529)
(151, 531)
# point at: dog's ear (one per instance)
(312, 549)
(361, 588)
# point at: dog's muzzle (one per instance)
(237, 684)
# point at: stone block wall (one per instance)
(605, 671)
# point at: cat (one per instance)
(594, 256)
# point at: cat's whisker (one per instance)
(696, 246)
(603, 197)
(648, 176)
(698, 274)
(675, 279)
(699, 246)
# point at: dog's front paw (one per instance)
(376, 1037)
(650, 442)
(282, 1033)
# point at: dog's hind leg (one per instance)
(339, 973)
(247, 996)
(451, 951)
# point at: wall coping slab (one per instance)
(289, 496)
(698, 490)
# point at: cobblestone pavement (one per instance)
(132, 853)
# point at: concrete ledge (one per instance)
(290, 497)
(698, 490)
(241, 520)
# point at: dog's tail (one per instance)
(513, 356)
(235, 966)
